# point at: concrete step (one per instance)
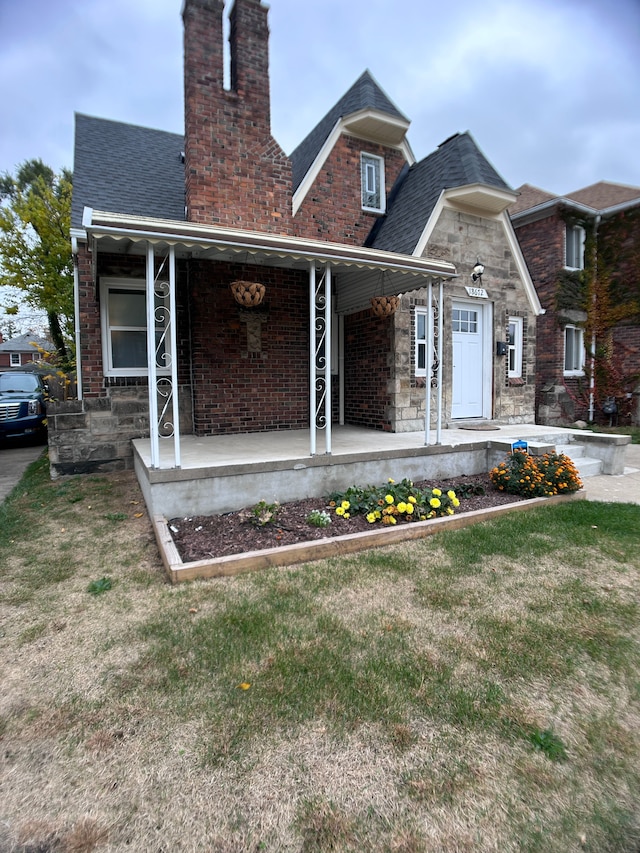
(575, 451)
(587, 466)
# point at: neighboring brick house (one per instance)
(22, 350)
(583, 252)
(349, 216)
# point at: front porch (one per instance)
(220, 474)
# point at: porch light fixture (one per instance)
(478, 271)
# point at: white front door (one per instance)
(468, 360)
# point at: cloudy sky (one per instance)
(550, 89)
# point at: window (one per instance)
(15, 359)
(514, 348)
(465, 320)
(573, 351)
(123, 306)
(421, 341)
(372, 177)
(574, 248)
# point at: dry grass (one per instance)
(393, 695)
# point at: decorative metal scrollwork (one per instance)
(321, 351)
(435, 361)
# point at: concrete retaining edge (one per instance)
(320, 549)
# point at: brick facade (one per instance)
(236, 174)
(368, 370)
(332, 210)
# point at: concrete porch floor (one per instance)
(224, 473)
(220, 451)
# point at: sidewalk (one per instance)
(14, 462)
(623, 488)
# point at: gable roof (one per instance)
(605, 194)
(25, 343)
(126, 169)
(457, 162)
(365, 94)
(529, 196)
(603, 198)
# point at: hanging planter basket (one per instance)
(248, 293)
(384, 306)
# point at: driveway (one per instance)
(14, 459)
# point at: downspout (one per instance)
(592, 378)
(76, 311)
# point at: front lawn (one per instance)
(477, 690)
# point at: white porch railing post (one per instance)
(428, 359)
(327, 364)
(312, 358)
(440, 327)
(151, 359)
(174, 355)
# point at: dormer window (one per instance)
(574, 254)
(372, 175)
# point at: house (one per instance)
(583, 252)
(21, 350)
(253, 292)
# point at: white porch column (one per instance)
(428, 359)
(320, 356)
(440, 326)
(151, 359)
(173, 336)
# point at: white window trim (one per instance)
(418, 342)
(582, 234)
(364, 163)
(14, 359)
(576, 371)
(516, 346)
(107, 284)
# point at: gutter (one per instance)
(103, 224)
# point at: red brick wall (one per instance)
(367, 370)
(542, 244)
(236, 174)
(332, 210)
(236, 390)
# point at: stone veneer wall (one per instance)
(462, 237)
(95, 434)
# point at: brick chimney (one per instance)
(236, 174)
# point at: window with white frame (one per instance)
(514, 347)
(14, 359)
(574, 355)
(421, 318)
(574, 247)
(372, 178)
(123, 305)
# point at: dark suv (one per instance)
(23, 411)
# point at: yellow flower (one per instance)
(340, 510)
(409, 509)
(345, 504)
(402, 507)
(371, 517)
(451, 494)
(392, 519)
(437, 492)
(434, 502)
(391, 480)
(456, 502)
(449, 511)
(388, 499)
(347, 515)
(412, 500)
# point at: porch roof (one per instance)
(384, 272)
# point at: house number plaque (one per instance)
(478, 292)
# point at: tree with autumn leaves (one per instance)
(35, 246)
